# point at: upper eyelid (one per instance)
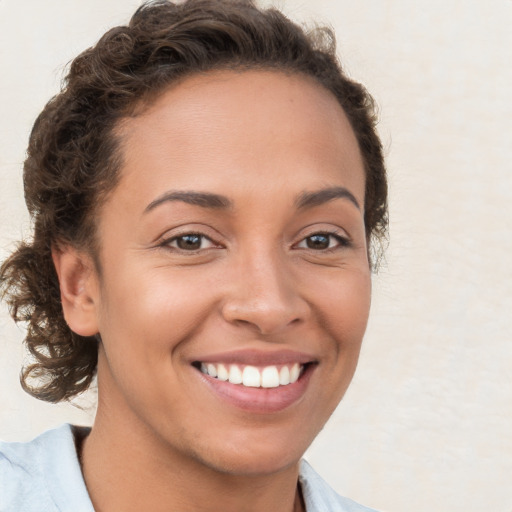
(316, 230)
(187, 229)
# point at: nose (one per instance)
(264, 295)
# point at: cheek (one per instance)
(153, 309)
(343, 308)
(146, 324)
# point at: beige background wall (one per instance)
(427, 423)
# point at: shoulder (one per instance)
(320, 497)
(22, 478)
(42, 474)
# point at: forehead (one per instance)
(236, 125)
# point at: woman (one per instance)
(204, 192)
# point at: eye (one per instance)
(190, 242)
(323, 241)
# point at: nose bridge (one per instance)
(267, 278)
(264, 292)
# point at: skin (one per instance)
(262, 140)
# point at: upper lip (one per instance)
(257, 357)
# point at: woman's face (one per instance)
(233, 245)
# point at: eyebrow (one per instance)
(217, 201)
(318, 197)
(202, 199)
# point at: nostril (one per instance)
(266, 323)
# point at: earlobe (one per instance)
(78, 289)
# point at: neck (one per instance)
(126, 468)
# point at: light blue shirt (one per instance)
(44, 475)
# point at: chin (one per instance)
(252, 458)
(253, 465)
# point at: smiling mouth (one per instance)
(271, 376)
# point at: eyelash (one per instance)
(342, 242)
(168, 242)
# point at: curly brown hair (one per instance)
(74, 156)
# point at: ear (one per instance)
(79, 289)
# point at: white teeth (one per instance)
(222, 372)
(294, 373)
(253, 377)
(235, 375)
(284, 376)
(269, 377)
(212, 370)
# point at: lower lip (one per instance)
(260, 400)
